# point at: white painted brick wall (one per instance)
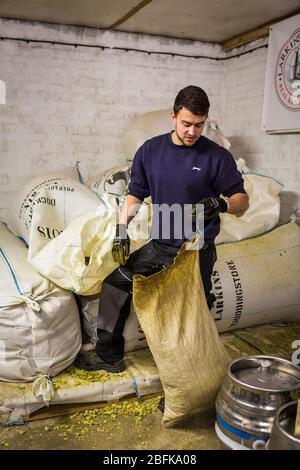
(273, 155)
(66, 104)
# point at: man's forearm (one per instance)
(130, 209)
(238, 203)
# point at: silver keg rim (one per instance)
(286, 411)
(275, 363)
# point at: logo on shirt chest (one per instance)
(196, 168)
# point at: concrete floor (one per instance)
(136, 424)
(91, 430)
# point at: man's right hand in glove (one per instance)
(121, 245)
(212, 206)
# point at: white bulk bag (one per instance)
(80, 258)
(133, 334)
(262, 214)
(46, 206)
(39, 323)
(151, 124)
(113, 181)
(256, 281)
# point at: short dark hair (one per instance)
(194, 99)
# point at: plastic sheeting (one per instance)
(39, 323)
(141, 377)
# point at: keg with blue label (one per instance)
(254, 388)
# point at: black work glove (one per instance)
(121, 244)
(212, 206)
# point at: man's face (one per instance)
(188, 127)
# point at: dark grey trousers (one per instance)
(116, 294)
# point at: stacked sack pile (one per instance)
(69, 229)
(39, 322)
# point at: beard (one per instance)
(181, 139)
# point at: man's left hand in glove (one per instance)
(121, 245)
(212, 206)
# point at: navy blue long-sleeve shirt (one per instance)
(176, 174)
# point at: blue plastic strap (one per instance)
(18, 287)
(134, 385)
(7, 424)
(80, 177)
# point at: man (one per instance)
(181, 168)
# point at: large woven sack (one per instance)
(39, 323)
(45, 206)
(181, 335)
(256, 281)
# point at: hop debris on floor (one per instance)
(135, 423)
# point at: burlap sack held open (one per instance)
(181, 335)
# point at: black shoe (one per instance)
(91, 361)
(161, 404)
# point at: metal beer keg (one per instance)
(254, 388)
(283, 437)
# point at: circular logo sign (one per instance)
(287, 73)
